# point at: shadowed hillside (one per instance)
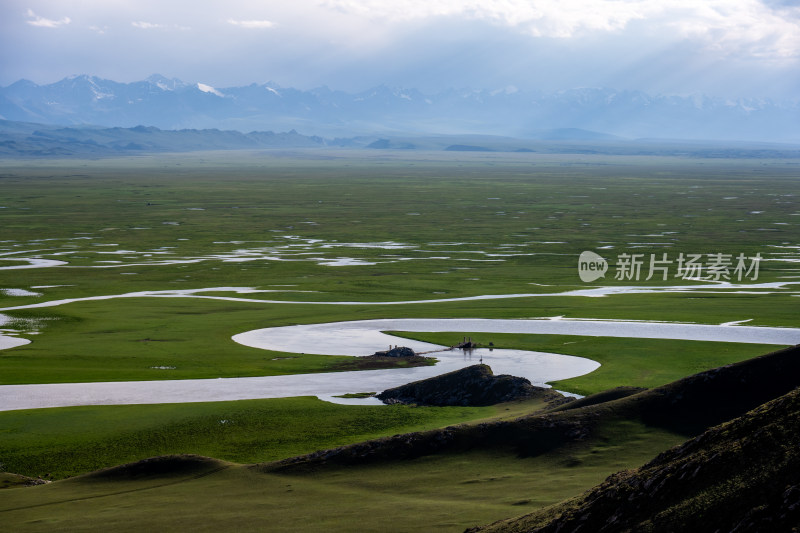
(738, 476)
(160, 467)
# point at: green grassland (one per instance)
(446, 225)
(444, 492)
(550, 207)
(468, 224)
(56, 443)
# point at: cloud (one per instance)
(743, 29)
(719, 47)
(545, 18)
(145, 25)
(142, 25)
(757, 28)
(252, 24)
(42, 22)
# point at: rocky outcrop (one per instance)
(474, 385)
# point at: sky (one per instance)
(726, 48)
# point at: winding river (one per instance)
(365, 337)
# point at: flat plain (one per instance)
(188, 250)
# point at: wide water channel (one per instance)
(364, 338)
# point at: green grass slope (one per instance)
(63, 442)
(738, 476)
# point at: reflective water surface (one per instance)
(366, 337)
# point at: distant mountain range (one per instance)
(30, 140)
(173, 104)
(39, 140)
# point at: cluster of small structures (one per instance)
(467, 344)
(396, 351)
(404, 351)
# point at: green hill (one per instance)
(739, 476)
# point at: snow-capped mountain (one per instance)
(174, 104)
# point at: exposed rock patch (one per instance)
(8, 480)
